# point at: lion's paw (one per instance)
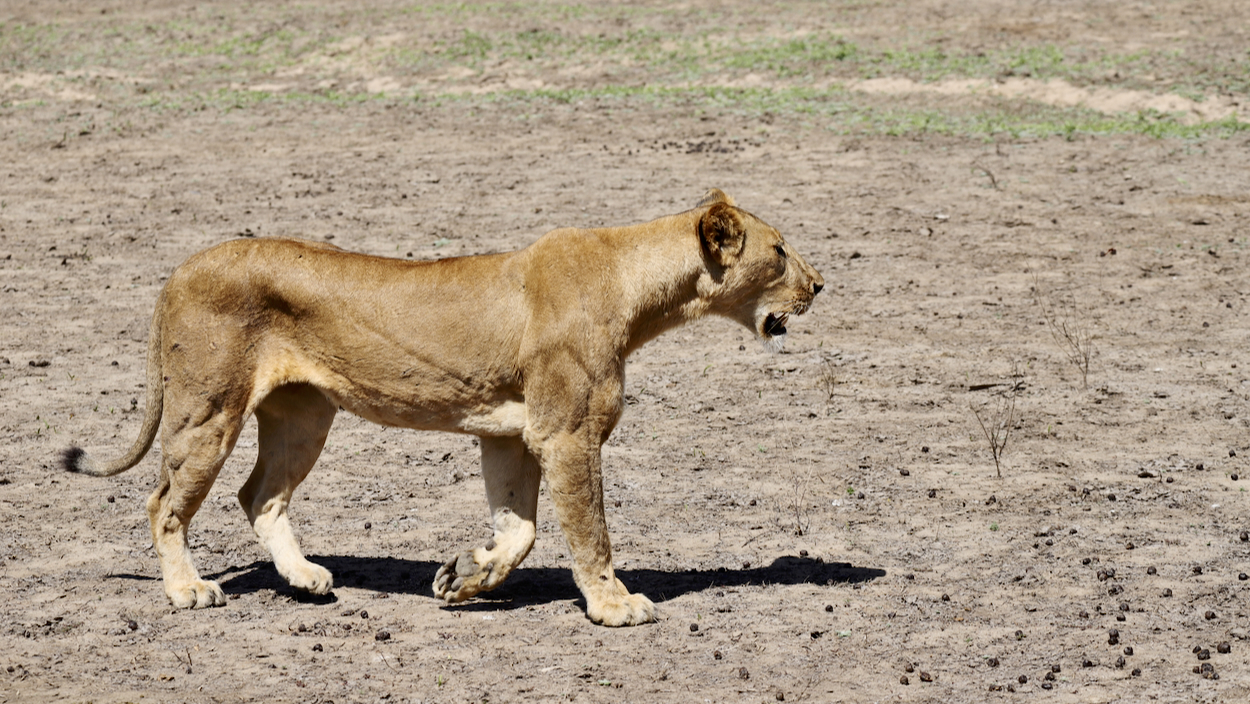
(311, 578)
(198, 594)
(462, 577)
(625, 610)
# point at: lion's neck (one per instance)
(668, 295)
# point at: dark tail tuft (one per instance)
(70, 459)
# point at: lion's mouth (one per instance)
(775, 324)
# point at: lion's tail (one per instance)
(75, 459)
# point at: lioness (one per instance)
(526, 350)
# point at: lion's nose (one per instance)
(816, 288)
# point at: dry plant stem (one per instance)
(998, 431)
(1070, 333)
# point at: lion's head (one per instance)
(761, 280)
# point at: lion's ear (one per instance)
(714, 196)
(722, 234)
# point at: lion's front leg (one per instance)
(574, 475)
(512, 479)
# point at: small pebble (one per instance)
(1242, 576)
(382, 635)
(1087, 663)
(1046, 685)
(781, 696)
(904, 472)
(368, 525)
(946, 597)
(112, 499)
(802, 553)
(1245, 536)
(933, 493)
(996, 688)
(1019, 635)
(1204, 654)
(1023, 679)
(694, 628)
(1210, 615)
(743, 674)
(828, 608)
(924, 448)
(1119, 662)
(1084, 614)
(992, 662)
(1167, 592)
(716, 655)
(1056, 668)
(925, 677)
(1124, 606)
(1197, 569)
(1137, 672)
(1110, 497)
(903, 680)
(364, 615)
(1233, 477)
(1128, 650)
(909, 668)
(1224, 648)
(1085, 561)
(1151, 570)
(317, 648)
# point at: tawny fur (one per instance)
(525, 350)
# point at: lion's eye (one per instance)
(781, 251)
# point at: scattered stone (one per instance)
(382, 636)
(925, 677)
(1128, 650)
(933, 493)
(1167, 592)
(992, 662)
(1046, 685)
(716, 655)
(694, 628)
(1210, 615)
(1056, 669)
(1151, 571)
(1137, 672)
(909, 668)
(904, 472)
(828, 608)
(1204, 654)
(903, 680)
(317, 648)
(364, 615)
(1224, 648)
(1197, 569)
(1113, 637)
(743, 674)
(1119, 662)
(1023, 679)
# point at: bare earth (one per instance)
(815, 525)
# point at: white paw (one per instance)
(625, 610)
(311, 578)
(462, 577)
(199, 594)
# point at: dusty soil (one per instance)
(815, 524)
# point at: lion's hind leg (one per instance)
(512, 477)
(293, 422)
(196, 440)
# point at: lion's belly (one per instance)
(492, 418)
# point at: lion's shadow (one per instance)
(541, 585)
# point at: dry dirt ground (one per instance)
(825, 524)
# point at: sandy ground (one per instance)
(825, 524)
